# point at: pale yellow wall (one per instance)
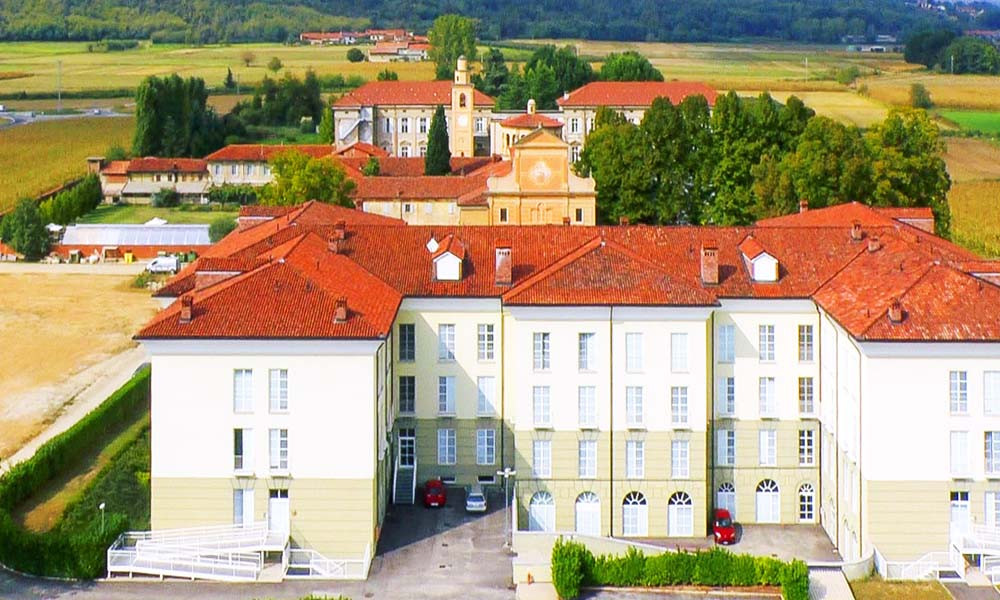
(421, 212)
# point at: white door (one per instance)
(635, 515)
(407, 447)
(726, 498)
(542, 512)
(959, 512)
(768, 502)
(588, 514)
(278, 513)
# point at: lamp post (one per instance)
(507, 473)
(101, 508)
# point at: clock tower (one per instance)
(462, 106)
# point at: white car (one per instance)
(163, 264)
(475, 500)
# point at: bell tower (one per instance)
(463, 105)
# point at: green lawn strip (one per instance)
(43, 509)
(981, 121)
(140, 213)
(878, 589)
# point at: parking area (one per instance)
(804, 542)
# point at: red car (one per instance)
(722, 527)
(434, 493)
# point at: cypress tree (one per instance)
(438, 159)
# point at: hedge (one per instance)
(78, 554)
(574, 567)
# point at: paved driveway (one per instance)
(423, 553)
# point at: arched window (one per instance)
(461, 100)
(635, 515)
(588, 514)
(680, 515)
(768, 502)
(542, 512)
(726, 498)
(807, 503)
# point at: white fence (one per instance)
(176, 561)
(309, 564)
(928, 566)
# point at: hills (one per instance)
(209, 21)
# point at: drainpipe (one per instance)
(861, 479)
(611, 422)
(711, 416)
(817, 404)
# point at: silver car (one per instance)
(475, 500)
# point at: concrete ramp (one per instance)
(829, 584)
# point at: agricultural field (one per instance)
(974, 92)
(970, 159)
(978, 121)
(975, 216)
(846, 107)
(69, 320)
(136, 213)
(40, 156)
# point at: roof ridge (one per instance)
(929, 267)
(556, 265)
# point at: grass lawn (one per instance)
(877, 589)
(38, 157)
(140, 213)
(973, 120)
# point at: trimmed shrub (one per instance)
(569, 567)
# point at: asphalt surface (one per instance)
(423, 553)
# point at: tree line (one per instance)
(947, 51)
(747, 159)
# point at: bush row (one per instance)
(574, 566)
(78, 554)
(67, 205)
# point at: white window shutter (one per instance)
(991, 509)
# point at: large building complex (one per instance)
(838, 366)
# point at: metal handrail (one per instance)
(413, 480)
(395, 476)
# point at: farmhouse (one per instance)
(138, 180)
(634, 377)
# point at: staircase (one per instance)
(404, 483)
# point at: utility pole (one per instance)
(952, 64)
(507, 473)
(58, 86)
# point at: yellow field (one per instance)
(969, 159)
(975, 215)
(846, 107)
(40, 156)
(956, 91)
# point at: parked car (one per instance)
(475, 500)
(722, 527)
(435, 493)
(162, 264)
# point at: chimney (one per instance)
(333, 244)
(339, 230)
(873, 243)
(187, 309)
(340, 311)
(566, 221)
(896, 311)
(856, 234)
(803, 205)
(623, 221)
(503, 265)
(531, 106)
(709, 264)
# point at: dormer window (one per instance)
(448, 258)
(763, 267)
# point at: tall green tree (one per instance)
(326, 126)
(300, 178)
(570, 70)
(970, 55)
(24, 230)
(173, 118)
(622, 169)
(628, 66)
(229, 82)
(494, 74)
(924, 47)
(541, 84)
(437, 161)
(451, 36)
(514, 93)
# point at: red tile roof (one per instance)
(116, 167)
(751, 248)
(635, 93)
(362, 148)
(152, 164)
(424, 187)
(852, 281)
(264, 152)
(413, 166)
(531, 121)
(405, 93)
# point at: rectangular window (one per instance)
(446, 341)
(992, 439)
(587, 406)
(407, 394)
(446, 395)
(959, 392)
(633, 352)
(404, 151)
(487, 393)
(480, 125)
(807, 448)
(243, 390)
(766, 341)
(991, 392)
(407, 342)
(959, 444)
(679, 405)
(587, 347)
(422, 124)
(486, 445)
(574, 125)
(726, 447)
(768, 448)
(540, 351)
(726, 403)
(590, 125)
(217, 169)
(404, 125)
(635, 467)
(233, 170)
(578, 212)
(541, 415)
(805, 343)
(679, 352)
(484, 341)
(278, 390)
(407, 206)
(541, 455)
(388, 125)
(278, 446)
(633, 406)
(766, 393)
(243, 449)
(992, 509)
(242, 507)
(446, 447)
(680, 459)
(503, 215)
(727, 343)
(806, 404)
(588, 458)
